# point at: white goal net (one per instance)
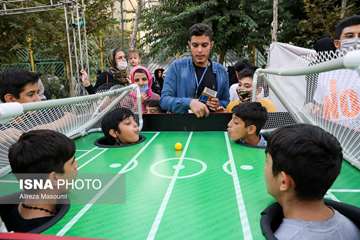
(321, 89)
(71, 116)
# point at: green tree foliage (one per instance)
(47, 30)
(235, 24)
(321, 18)
(290, 14)
(16, 28)
(240, 25)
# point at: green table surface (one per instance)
(212, 189)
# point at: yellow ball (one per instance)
(178, 146)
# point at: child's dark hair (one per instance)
(14, 81)
(243, 64)
(310, 155)
(346, 22)
(152, 103)
(112, 119)
(324, 44)
(200, 29)
(41, 151)
(252, 113)
(246, 72)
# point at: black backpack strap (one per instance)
(271, 218)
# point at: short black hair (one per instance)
(324, 44)
(112, 119)
(346, 22)
(152, 103)
(243, 64)
(199, 29)
(246, 73)
(14, 81)
(252, 113)
(309, 154)
(41, 151)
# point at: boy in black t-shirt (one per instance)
(44, 152)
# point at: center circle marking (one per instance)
(156, 173)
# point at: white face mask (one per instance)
(121, 65)
(351, 43)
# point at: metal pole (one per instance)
(79, 36)
(122, 24)
(68, 43)
(85, 37)
(75, 46)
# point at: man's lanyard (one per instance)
(198, 82)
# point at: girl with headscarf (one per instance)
(142, 77)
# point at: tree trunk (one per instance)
(343, 8)
(275, 21)
(101, 51)
(71, 87)
(252, 54)
(222, 56)
(136, 24)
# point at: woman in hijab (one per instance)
(117, 73)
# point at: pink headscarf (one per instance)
(148, 75)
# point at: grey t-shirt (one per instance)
(338, 227)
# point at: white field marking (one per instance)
(132, 166)
(247, 167)
(8, 181)
(76, 218)
(154, 171)
(240, 201)
(160, 213)
(332, 196)
(115, 165)
(345, 190)
(92, 159)
(225, 167)
(242, 167)
(84, 154)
